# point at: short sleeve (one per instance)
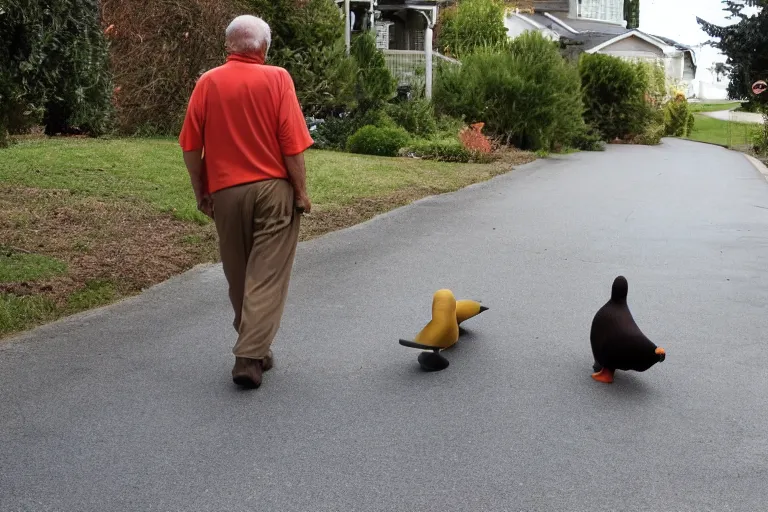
(191, 136)
(293, 132)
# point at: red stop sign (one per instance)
(759, 87)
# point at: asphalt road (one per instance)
(133, 408)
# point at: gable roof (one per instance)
(632, 33)
(594, 36)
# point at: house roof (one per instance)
(631, 33)
(682, 47)
(583, 25)
(586, 34)
(595, 35)
(547, 22)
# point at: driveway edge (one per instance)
(88, 314)
(758, 165)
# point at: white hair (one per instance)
(248, 34)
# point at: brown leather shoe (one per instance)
(247, 372)
(268, 362)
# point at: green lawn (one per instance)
(714, 107)
(85, 222)
(16, 266)
(153, 170)
(725, 133)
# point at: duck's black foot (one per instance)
(432, 362)
(597, 367)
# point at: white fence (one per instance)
(408, 66)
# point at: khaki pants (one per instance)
(258, 229)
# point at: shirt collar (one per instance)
(249, 59)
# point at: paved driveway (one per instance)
(735, 117)
(132, 408)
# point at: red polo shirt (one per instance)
(246, 116)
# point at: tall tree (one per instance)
(745, 44)
(632, 13)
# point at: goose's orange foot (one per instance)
(605, 376)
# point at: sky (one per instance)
(676, 19)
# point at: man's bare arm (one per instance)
(194, 162)
(297, 175)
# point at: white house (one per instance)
(598, 26)
(404, 33)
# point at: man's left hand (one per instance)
(205, 205)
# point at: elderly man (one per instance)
(243, 141)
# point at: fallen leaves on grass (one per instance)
(125, 243)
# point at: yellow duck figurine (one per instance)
(466, 309)
(440, 333)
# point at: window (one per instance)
(604, 10)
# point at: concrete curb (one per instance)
(758, 165)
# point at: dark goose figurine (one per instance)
(617, 341)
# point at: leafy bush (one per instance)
(448, 126)
(157, 52)
(444, 150)
(372, 140)
(473, 139)
(53, 68)
(374, 85)
(761, 137)
(678, 118)
(655, 79)
(416, 116)
(526, 94)
(335, 131)
(160, 48)
(471, 24)
(651, 135)
(690, 125)
(615, 95)
(590, 140)
(323, 77)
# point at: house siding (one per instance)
(634, 48)
(634, 45)
(688, 73)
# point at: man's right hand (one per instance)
(303, 204)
